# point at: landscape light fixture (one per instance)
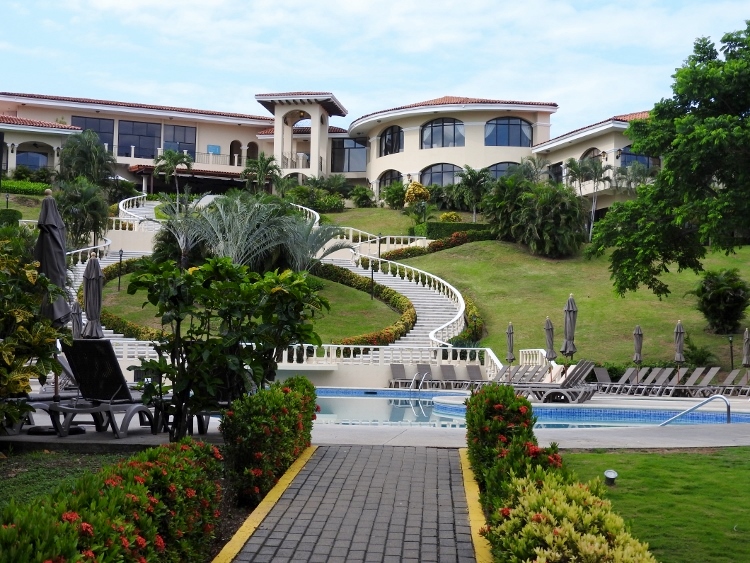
(731, 351)
(7, 199)
(119, 271)
(618, 154)
(12, 148)
(609, 477)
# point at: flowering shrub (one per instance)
(416, 192)
(403, 253)
(160, 505)
(264, 433)
(547, 518)
(450, 217)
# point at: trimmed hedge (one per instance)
(534, 507)
(24, 187)
(10, 216)
(264, 433)
(385, 294)
(161, 505)
(437, 230)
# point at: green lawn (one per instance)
(689, 507)
(509, 285)
(381, 220)
(352, 312)
(29, 205)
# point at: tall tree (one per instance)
(308, 243)
(628, 178)
(474, 184)
(84, 155)
(260, 172)
(167, 163)
(596, 172)
(701, 197)
(84, 210)
(533, 168)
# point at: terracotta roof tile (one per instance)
(624, 118)
(457, 100)
(302, 130)
(292, 94)
(11, 120)
(135, 106)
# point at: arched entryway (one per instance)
(235, 153)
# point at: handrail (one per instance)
(130, 203)
(100, 249)
(309, 213)
(694, 407)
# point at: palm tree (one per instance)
(473, 186)
(167, 164)
(597, 173)
(84, 210)
(630, 177)
(84, 155)
(308, 244)
(259, 172)
(534, 168)
(283, 185)
(183, 226)
(576, 174)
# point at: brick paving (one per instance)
(368, 504)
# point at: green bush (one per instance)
(362, 196)
(264, 433)
(10, 216)
(450, 217)
(394, 194)
(161, 505)
(24, 187)
(723, 296)
(437, 230)
(404, 253)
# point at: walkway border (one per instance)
(234, 545)
(482, 551)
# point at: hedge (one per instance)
(24, 187)
(389, 296)
(10, 216)
(160, 505)
(436, 230)
(534, 507)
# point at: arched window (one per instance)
(252, 151)
(31, 159)
(441, 174)
(592, 153)
(501, 169)
(388, 177)
(391, 141)
(627, 158)
(443, 132)
(507, 132)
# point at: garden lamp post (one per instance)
(119, 271)
(7, 200)
(731, 351)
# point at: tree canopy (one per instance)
(701, 197)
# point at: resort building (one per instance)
(429, 141)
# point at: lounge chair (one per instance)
(654, 386)
(399, 379)
(640, 375)
(474, 372)
(425, 379)
(103, 389)
(674, 381)
(704, 388)
(737, 387)
(648, 381)
(572, 389)
(611, 385)
(450, 379)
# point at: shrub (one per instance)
(416, 192)
(547, 518)
(723, 296)
(362, 196)
(394, 194)
(114, 210)
(435, 230)
(264, 433)
(10, 216)
(160, 505)
(24, 187)
(450, 217)
(406, 252)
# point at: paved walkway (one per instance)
(369, 503)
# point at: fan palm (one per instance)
(167, 163)
(309, 243)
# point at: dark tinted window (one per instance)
(440, 174)
(391, 141)
(501, 169)
(180, 138)
(145, 137)
(507, 132)
(105, 128)
(349, 155)
(443, 132)
(388, 177)
(627, 158)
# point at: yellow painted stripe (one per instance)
(233, 546)
(482, 551)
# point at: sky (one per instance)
(595, 59)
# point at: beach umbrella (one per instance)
(509, 337)
(49, 251)
(93, 282)
(549, 332)
(570, 315)
(679, 343)
(637, 345)
(746, 350)
(76, 319)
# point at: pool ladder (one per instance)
(699, 405)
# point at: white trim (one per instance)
(577, 136)
(37, 129)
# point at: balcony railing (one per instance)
(299, 160)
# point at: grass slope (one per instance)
(509, 285)
(381, 220)
(689, 507)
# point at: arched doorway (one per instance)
(252, 151)
(235, 153)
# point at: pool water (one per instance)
(402, 407)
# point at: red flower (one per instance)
(286, 389)
(258, 455)
(317, 408)
(217, 513)
(140, 542)
(159, 543)
(523, 409)
(555, 460)
(256, 490)
(217, 454)
(124, 541)
(314, 416)
(184, 447)
(139, 479)
(503, 439)
(88, 554)
(70, 516)
(257, 472)
(505, 512)
(190, 492)
(230, 414)
(538, 517)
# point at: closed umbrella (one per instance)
(570, 315)
(509, 336)
(746, 350)
(637, 346)
(49, 251)
(549, 332)
(76, 319)
(93, 282)
(679, 343)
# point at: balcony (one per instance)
(295, 161)
(202, 160)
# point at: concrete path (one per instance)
(369, 503)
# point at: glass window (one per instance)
(31, 160)
(501, 169)
(440, 174)
(349, 155)
(556, 172)
(388, 177)
(105, 128)
(507, 132)
(180, 138)
(145, 137)
(443, 132)
(627, 158)
(592, 153)
(213, 149)
(391, 141)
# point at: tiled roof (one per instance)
(325, 99)
(147, 168)
(458, 101)
(135, 106)
(302, 130)
(11, 120)
(624, 118)
(292, 94)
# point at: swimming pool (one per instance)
(403, 407)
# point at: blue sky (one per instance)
(595, 59)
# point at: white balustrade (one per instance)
(82, 254)
(533, 357)
(309, 213)
(131, 203)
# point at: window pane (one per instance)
(190, 135)
(449, 139)
(426, 138)
(126, 127)
(168, 134)
(460, 139)
(140, 128)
